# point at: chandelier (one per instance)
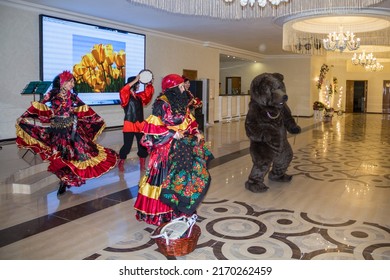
(374, 67)
(261, 3)
(341, 41)
(363, 59)
(233, 9)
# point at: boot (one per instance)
(61, 189)
(142, 164)
(121, 165)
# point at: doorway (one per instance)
(233, 85)
(196, 88)
(356, 97)
(386, 97)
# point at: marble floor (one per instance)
(336, 207)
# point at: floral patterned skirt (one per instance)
(176, 181)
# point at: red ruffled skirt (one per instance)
(72, 153)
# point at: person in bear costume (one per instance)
(266, 125)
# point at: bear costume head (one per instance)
(268, 90)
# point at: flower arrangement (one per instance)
(335, 85)
(318, 106)
(101, 70)
(324, 70)
(329, 112)
(332, 89)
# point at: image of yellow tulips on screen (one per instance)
(101, 70)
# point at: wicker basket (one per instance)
(178, 247)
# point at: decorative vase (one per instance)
(328, 118)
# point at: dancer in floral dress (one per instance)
(64, 134)
(177, 178)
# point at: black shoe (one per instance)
(61, 189)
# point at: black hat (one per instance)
(130, 79)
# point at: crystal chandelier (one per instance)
(341, 41)
(230, 9)
(363, 59)
(374, 67)
(261, 3)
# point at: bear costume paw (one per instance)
(283, 178)
(256, 187)
(295, 130)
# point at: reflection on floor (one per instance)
(336, 207)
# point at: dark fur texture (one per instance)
(267, 122)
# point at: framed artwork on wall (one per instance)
(192, 75)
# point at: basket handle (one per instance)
(191, 222)
(164, 235)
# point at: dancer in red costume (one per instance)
(64, 134)
(177, 177)
(133, 103)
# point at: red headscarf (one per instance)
(170, 81)
(65, 76)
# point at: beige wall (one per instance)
(20, 62)
(296, 71)
(375, 83)
(19, 45)
(165, 56)
(301, 74)
(247, 70)
(343, 70)
(297, 82)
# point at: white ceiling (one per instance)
(261, 35)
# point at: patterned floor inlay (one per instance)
(234, 230)
(357, 159)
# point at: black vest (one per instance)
(134, 110)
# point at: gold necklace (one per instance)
(272, 117)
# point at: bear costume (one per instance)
(266, 125)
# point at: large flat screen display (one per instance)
(100, 58)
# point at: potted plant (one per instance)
(318, 106)
(328, 114)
